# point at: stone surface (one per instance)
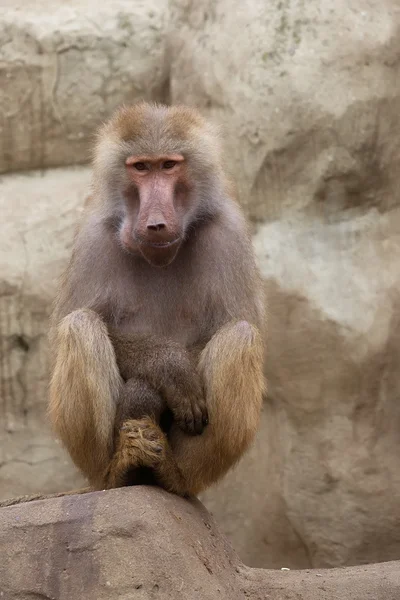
(308, 94)
(65, 66)
(38, 219)
(145, 543)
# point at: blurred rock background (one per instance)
(308, 96)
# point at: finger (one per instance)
(184, 419)
(198, 421)
(190, 425)
(204, 411)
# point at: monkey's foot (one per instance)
(141, 443)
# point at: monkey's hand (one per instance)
(183, 392)
(169, 369)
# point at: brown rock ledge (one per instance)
(145, 543)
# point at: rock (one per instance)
(93, 546)
(39, 213)
(65, 66)
(309, 95)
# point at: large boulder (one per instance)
(309, 96)
(64, 66)
(145, 543)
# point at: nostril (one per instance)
(156, 226)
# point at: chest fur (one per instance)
(162, 305)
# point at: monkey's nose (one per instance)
(158, 232)
(156, 226)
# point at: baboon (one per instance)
(159, 312)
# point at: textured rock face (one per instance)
(64, 66)
(309, 96)
(145, 543)
(38, 219)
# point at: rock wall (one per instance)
(39, 213)
(64, 66)
(308, 95)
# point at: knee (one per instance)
(233, 353)
(82, 317)
(244, 332)
(237, 336)
(80, 323)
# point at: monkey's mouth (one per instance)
(159, 254)
(159, 245)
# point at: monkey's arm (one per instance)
(232, 369)
(166, 367)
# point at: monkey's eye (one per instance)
(140, 166)
(169, 164)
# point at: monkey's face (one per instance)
(156, 199)
(158, 173)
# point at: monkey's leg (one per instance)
(138, 399)
(84, 389)
(142, 448)
(141, 444)
(231, 365)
